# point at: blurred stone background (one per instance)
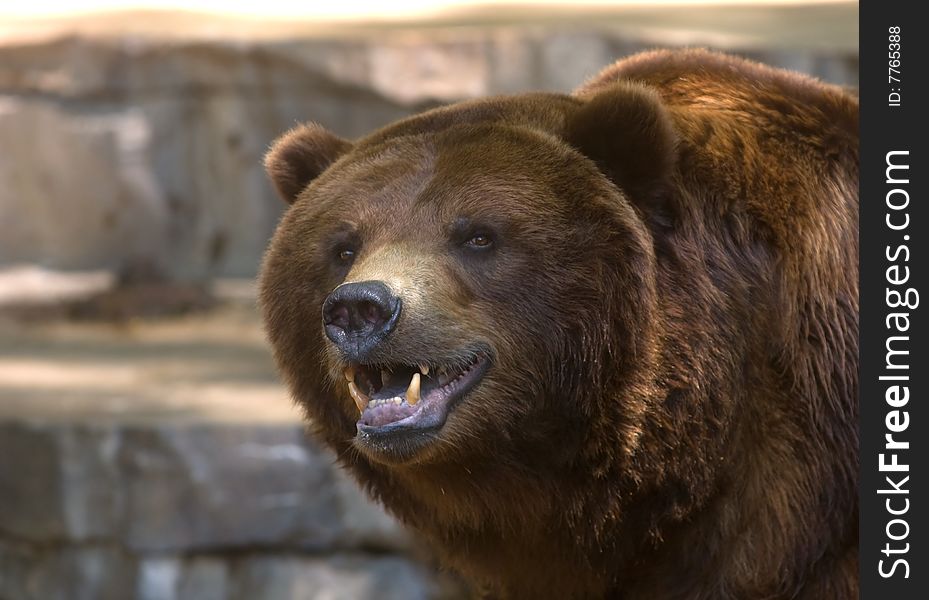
(161, 459)
(146, 146)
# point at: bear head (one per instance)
(467, 282)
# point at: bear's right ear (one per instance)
(299, 156)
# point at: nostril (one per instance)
(370, 312)
(338, 316)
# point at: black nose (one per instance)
(358, 316)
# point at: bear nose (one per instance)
(358, 316)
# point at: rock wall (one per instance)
(164, 460)
(125, 149)
(182, 510)
(118, 151)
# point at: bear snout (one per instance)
(358, 316)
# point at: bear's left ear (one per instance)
(299, 156)
(626, 130)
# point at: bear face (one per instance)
(483, 305)
(593, 345)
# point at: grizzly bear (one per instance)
(598, 345)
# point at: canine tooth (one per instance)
(424, 369)
(360, 399)
(385, 376)
(412, 392)
(349, 374)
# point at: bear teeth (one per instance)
(361, 401)
(424, 368)
(381, 401)
(412, 395)
(412, 392)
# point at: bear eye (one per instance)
(343, 246)
(479, 240)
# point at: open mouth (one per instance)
(393, 399)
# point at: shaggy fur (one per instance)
(672, 307)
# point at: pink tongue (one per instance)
(384, 414)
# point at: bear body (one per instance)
(591, 345)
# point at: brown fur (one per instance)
(672, 408)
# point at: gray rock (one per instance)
(183, 487)
(337, 578)
(205, 578)
(65, 572)
(106, 572)
(92, 495)
(158, 578)
(190, 510)
(30, 484)
(202, 486)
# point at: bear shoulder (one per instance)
(779, 146)
(699, 78)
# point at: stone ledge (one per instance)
(183, 488)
